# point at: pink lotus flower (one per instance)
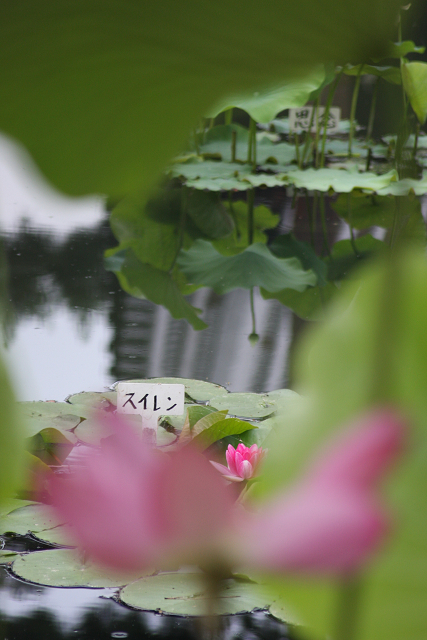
(332, 519)
(131, 507)
(242, 462)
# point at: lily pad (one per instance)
(245, 405)
(196, 390)
(184, 594)
(64, 568)
(94, 399)
(341, 180)
(7, 556)
(255, 266)
(60, 535)
(34, 517)
(406, 186)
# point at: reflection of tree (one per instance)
(38, 626)
(44, 270)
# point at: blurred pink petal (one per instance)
(332, 520)
(131, 507)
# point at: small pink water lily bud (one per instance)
(332, 520)
(242, 462)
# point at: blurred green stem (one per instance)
(228, 117)
(297, 152)
(313, 219)
(324, 227)
(353, 109)
(233, 145)
(308, 138)
(250, 203)
(252, 311)
(349, 596)
(331, 94)
(182, 219)
(316, 144)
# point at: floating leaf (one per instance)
(34, 517)
(65, 568)
(414, 76)
(209, 214)
(184, 594)
(196, 390)
(209, 169)
(264, 105)
(255, 266)
(406, 186)
(50, 445)
(340, 180)
(95, 399)
(7, 556)
(60, 535)
(144, 281)
(245, 405)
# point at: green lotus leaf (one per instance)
(209, 169)
(238, 240)
(145, 281)
(134, 82)
(287, 246)
(221, 429)
(406, 186)
(219, 184)
(340, 180)
(391, 74)
(255, 266)
(61, 536)
(66, 568)
(414, 76)
(309, 304)
(267, 180)
(401, 49)
(184, 594)
(264, 105)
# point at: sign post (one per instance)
(150, 401)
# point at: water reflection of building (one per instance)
(46, 272)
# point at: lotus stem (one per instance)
(348, 609)
(326, 114)
(353, 109)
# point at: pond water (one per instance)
(68, 327)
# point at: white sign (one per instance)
(299, 119)
(150, 400)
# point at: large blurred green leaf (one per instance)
(255, 266)
(414, 76)
(264, 105)
(371, 350)
(104, 93)
(11, 439)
